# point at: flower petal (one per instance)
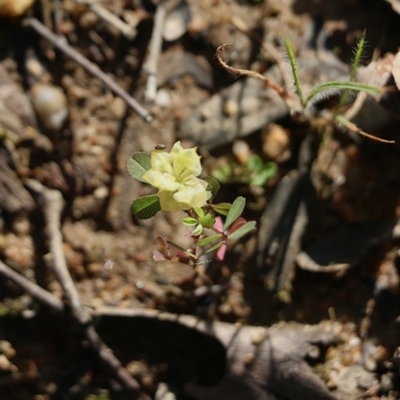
(167, 201)
(161, 180)
(192, 193)
(161, 161)
(185, 162)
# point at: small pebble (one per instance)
(163, 98)
(241, 150)
(50, 104)
(276, 143)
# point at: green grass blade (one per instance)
(295, 71)
(356, 62)
(357, 56)
(342, 85)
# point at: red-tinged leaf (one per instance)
(221, 253)
(237, 224)
(158, 256)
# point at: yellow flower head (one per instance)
(175, 175)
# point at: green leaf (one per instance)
(198, 230)
(189, 221)
(255, 163)
(208, 221)
(357, 56)
(199, 211)
(208, 239)
(353, 71)
(235, 212)
(343, 85)
(221, 208)
(180, 248)
(295, 72)
(213, 186)
(138, 165)
(146, 207)
(222, 173)
(243, 230)
(215, 247)
(270, 170)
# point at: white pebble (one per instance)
(50, 104)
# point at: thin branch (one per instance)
(304, 261)
(109, 18)
(238, 71)
(154, 51)
(355, 108)
(51, 202)
(39, 294)
(268, 47)
(354, 128)
(52, 205)
(92, 68)
(46, 14)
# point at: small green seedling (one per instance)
(319, 91)
(255, 172)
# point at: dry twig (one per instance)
(154, 51)
(109, 18)
(238, 71)
(39, 294)
(52, 204)
(354, 128)
(62, 45)
(268, 47)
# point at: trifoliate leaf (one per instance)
(138, 164)
(146, 207)
(235, 212)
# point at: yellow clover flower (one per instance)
(175, 175)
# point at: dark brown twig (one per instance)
(238, 71)
(62, 45)
(52, 204)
